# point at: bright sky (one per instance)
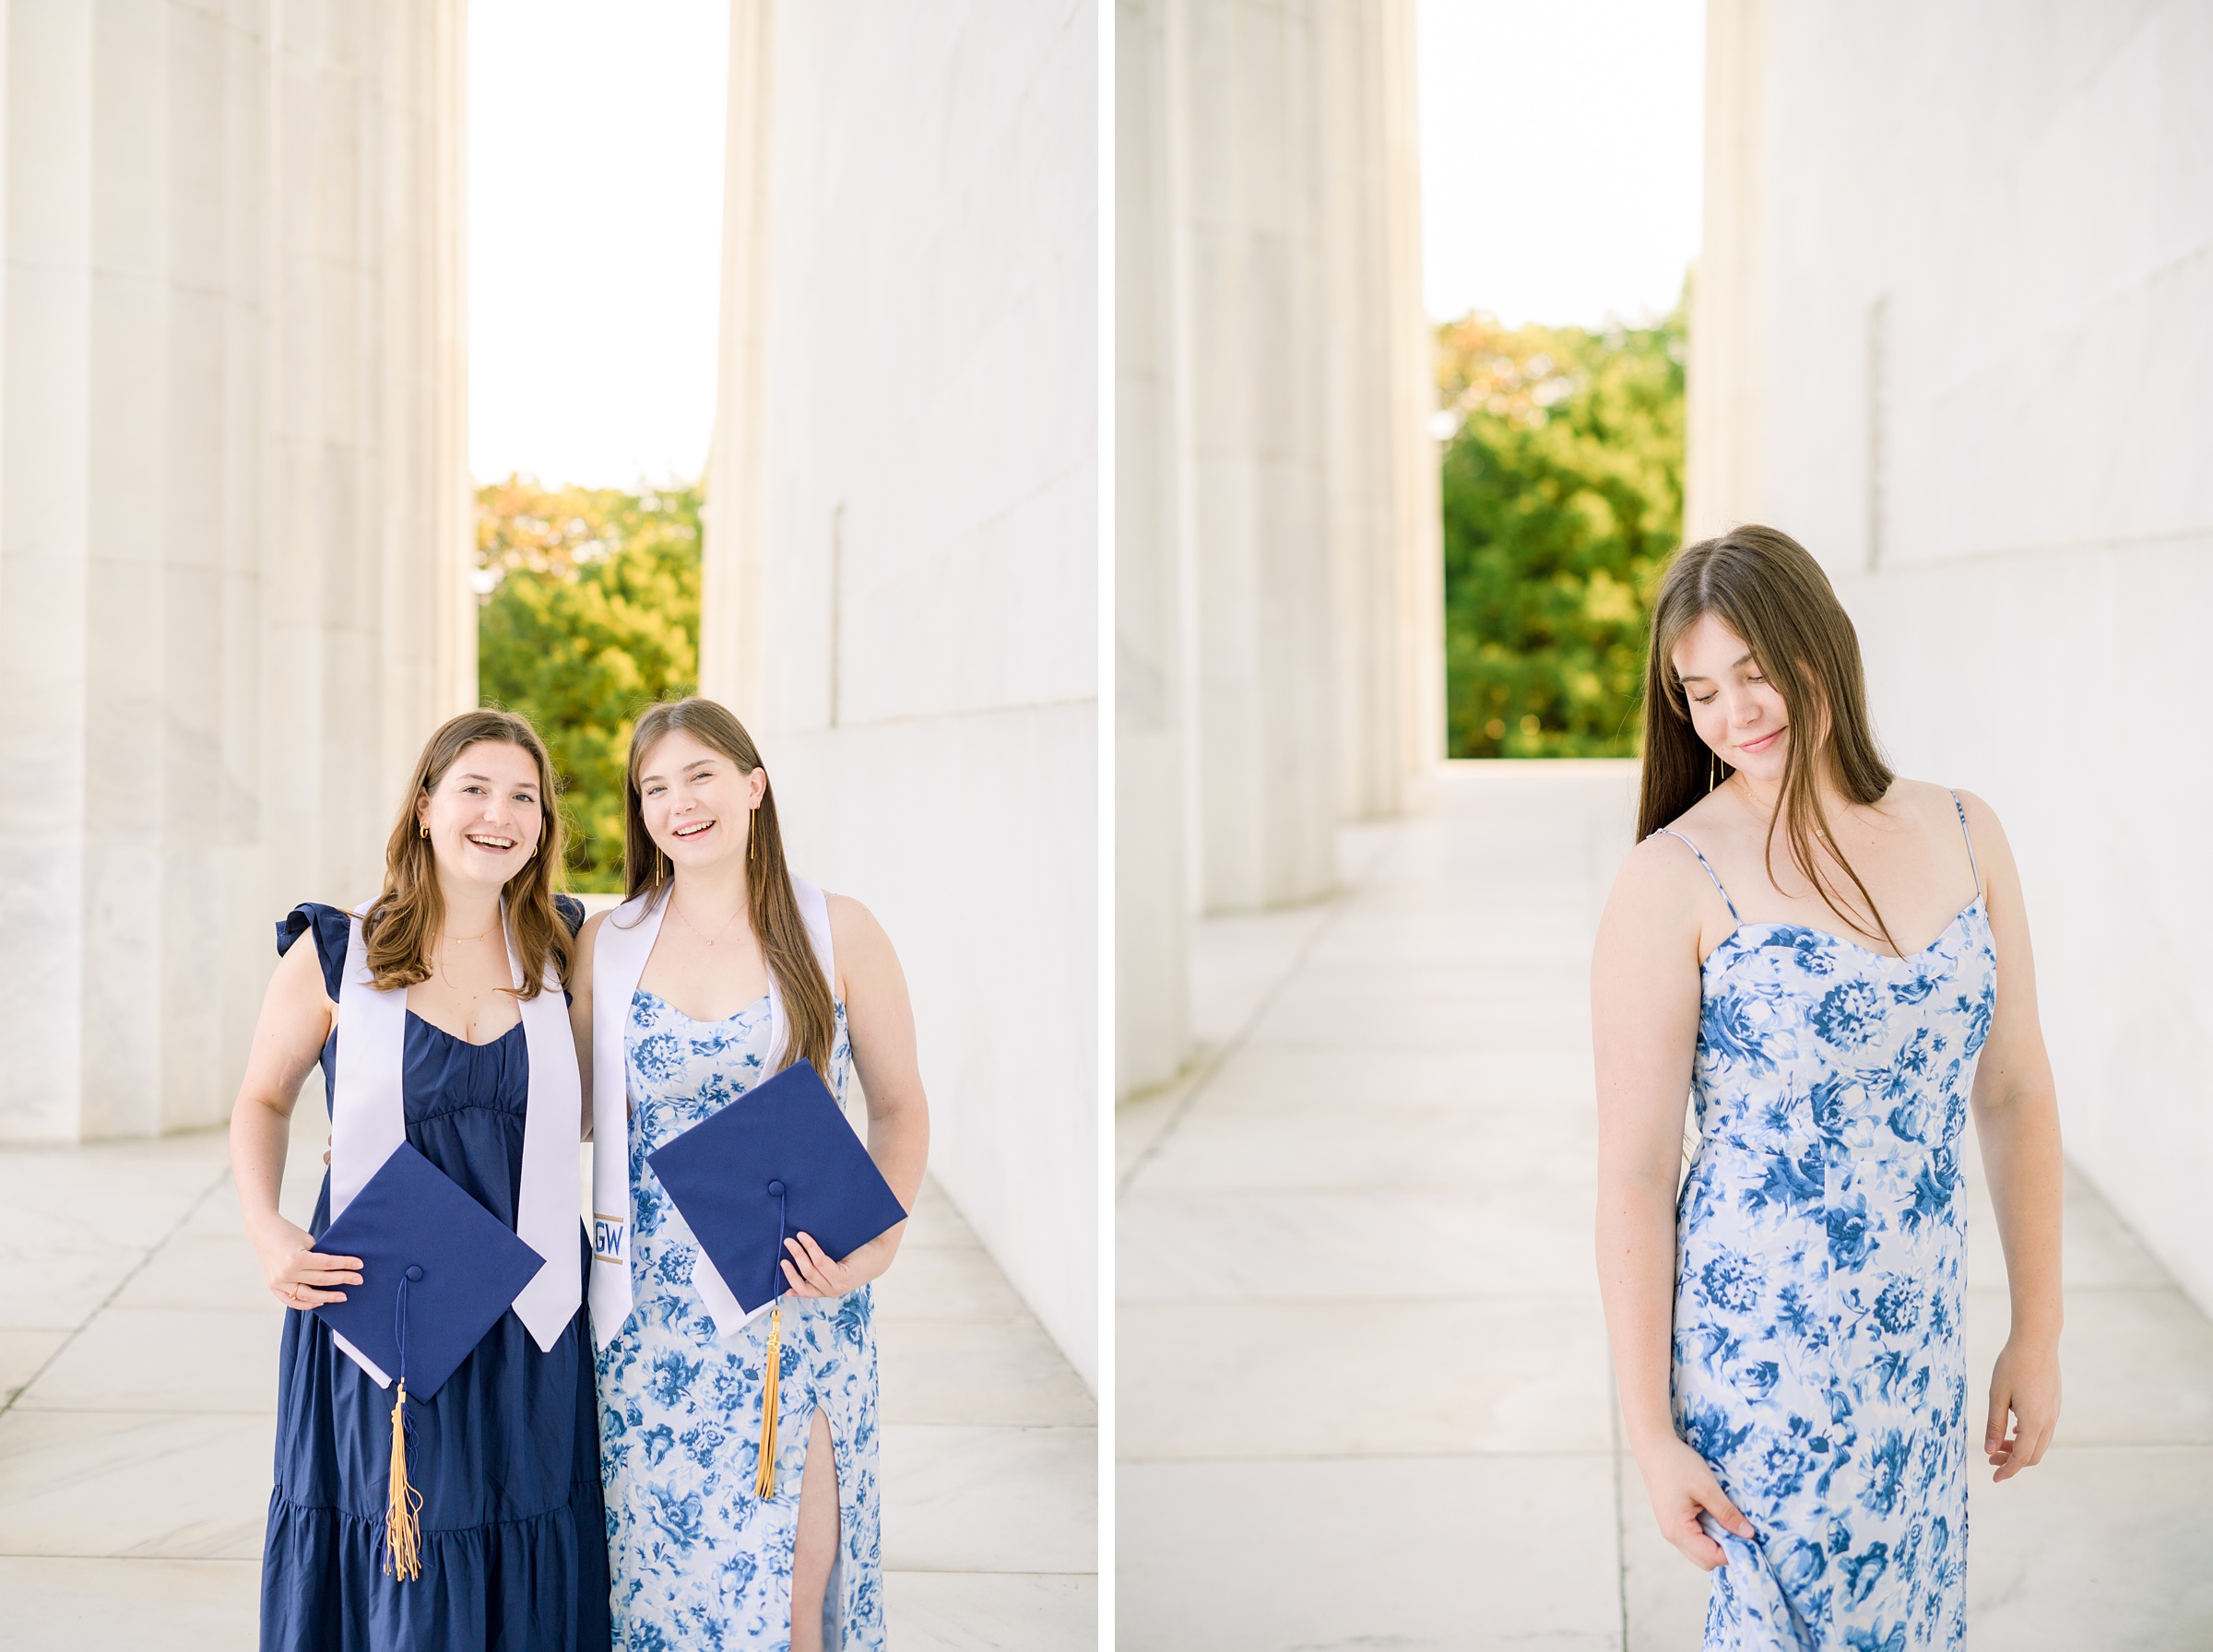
(1560, 155)
(595, 236)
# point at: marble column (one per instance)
(1153, 829)
(1727, 374)
(732, 661)
(1247, 128)
(234, 515)
(1280, 621)
(1315, 686)
(1379, 391)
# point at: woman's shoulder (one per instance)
(1939, 806)
(329, 925)
(319, 916)
(572, 913)
(852, 924)
(1955, 811)
(1678, 847)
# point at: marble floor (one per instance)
(1364, 1397)
(137, 1393)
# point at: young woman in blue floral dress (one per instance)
(1832, 963)
(720, 970)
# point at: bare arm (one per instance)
(880, 1022)
(2016, 1118)
(1644, 1016)
(580, 1011)
(296, 1018)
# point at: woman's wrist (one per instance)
(872, 1258)
(269, 1225)
(1649, 1431)
(2035, 1326)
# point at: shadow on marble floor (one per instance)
(137, 1395)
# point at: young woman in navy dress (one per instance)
(506, 1457)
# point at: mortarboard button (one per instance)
(776, 1188)
(415, 1273)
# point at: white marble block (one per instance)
(902, 578)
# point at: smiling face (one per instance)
(697, 801)
(1733, 707)
(486, 816)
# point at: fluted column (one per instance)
(1247, 219)
(1386, 601)
(731, 659)
(1725, 378)
(233, 535)
(1280, 630)
(1152, 825)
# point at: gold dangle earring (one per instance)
(1713, 765)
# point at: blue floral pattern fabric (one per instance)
(697, 1560)
(1818, 1359)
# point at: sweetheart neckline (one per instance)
(743, 1010)
(457, 1038)
(1958, 918)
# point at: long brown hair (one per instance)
(809, 1013)
(1764, 587)
(406, 916)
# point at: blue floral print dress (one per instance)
(1818, 1361)
(698, 1560)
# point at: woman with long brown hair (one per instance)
(473, 1521)
(1833, 964)
(718, 971)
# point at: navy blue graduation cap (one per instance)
(780, 1160)
(438, 1269)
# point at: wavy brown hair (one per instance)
(1764, 586)
(405, 917)
(771, 906)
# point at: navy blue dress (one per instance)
(506, 1455)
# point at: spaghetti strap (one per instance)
(1710, 872)
(1972, 866)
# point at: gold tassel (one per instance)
(403, 1508)
(765, 1483)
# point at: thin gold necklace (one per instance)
(719, 933)
(442, 975)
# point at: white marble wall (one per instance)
(903, 573)
(233, 515)
(1277, 557)
(1983, 249)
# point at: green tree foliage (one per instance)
(592, 613)
(1563, 496)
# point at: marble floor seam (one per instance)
(145, 1259)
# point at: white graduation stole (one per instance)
(368, 1119)
(618, 953)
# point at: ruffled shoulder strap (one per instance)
(330, 928)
